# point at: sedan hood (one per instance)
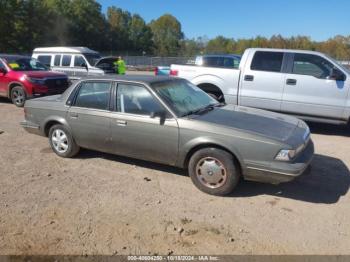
(261, 122)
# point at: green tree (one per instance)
(167, 35)
(119, 24)
(140, 35)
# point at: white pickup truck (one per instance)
(307, 84)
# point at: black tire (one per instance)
(226, 171)
(72, 148)
(217, 97)
(18, 96)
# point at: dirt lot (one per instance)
(103, 204)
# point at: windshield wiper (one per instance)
(207, 108)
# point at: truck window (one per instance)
(312, 65)
(211, 61)
(57, 60)
(79, 61)
(66, 60)
(45, 59)
(267, 61)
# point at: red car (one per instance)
(23, 77)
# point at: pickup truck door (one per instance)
(89, 115)
(135, 133)
(312, 90)
(262, 80)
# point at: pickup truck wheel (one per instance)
(18, 96)
(62, 142)
(214, 171)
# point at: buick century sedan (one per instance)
(173, 122)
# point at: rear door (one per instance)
(89, 115)
(262, 81)
(310, 90)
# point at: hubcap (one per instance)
(211, 172)
(59, 141)
(18, 96)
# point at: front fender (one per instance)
(206, 141)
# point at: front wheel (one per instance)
(62, 142)
(18, 96)
(214, 171)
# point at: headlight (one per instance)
(285, 155)
(37, 81)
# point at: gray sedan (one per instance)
(173, 122)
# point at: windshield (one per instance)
(182, 96)
(92, 58)
(25, 64)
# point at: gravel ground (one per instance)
(103, 204)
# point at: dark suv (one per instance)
(23, 77)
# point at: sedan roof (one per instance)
(147, 79)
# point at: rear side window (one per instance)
(66, 60)
(57, 60)
(93, 95)
(312, 65)
(45, 59)
(267, 61)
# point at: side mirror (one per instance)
(160, 114)
(337, 75)
(3, 71)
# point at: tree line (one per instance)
(26, 24)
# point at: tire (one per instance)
(62, 142)
(217, 97)
(214, 171)
(18, 96)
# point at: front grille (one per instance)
(56, 85)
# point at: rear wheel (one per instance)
(18, 96)
(214, 171)
(62, 142)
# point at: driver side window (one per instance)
(312, 65)
(135, 99)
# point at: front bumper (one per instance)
(31, 128)
(279, 172)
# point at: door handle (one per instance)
(73, 115)
(121, 122)
(291, 82)
(248, 78)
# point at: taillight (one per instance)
(156, 71)
(174, 72)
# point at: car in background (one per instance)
(217, 61)
(162, 70)
(76, 62)
(23, 77)
(171, 121)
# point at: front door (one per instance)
(89, 116)
(310, 89)
(135, 133)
